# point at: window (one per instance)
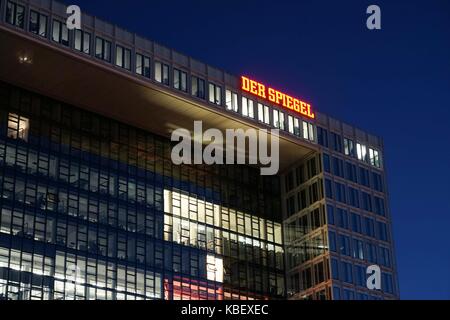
(60, 33)
(215, 94)
(326, 163)
(328, 189)
(334, 269)
(360, 276)
(379, 206)
(338, 167)
(366, 201)
(346, 273)
(330, 214)
(349, 148)
(344, 245)
(332, 240)
(322, 137)
(294, 126)
(364, 177)
(231, 101)
(103, 49)
(38, 23)
(340, 192)
(358, 249)
(356, 222)
(353, 197)
(278, 119)
(374, 158)
(343, 218)
(361, 152)
(143, 65)
(18, 127)
(198, 87)
(382, 231)
(247, 108)
(263, 114)
(387, 283)
(369, 227)
(308, 131)
(123, 57)
(350, 172)
(162, 73)
(385, 257)
(15, 14)
(82, 41)
(377, 183)
(180, 80)
(336, 142)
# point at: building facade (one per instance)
(92, 206)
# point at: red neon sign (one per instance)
(277, 97)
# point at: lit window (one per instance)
(278, 119)
(38, 23)
(215, 94)
(308, 131)
(82, 41)
(374, 158)
(361, 152)
(60, 33)
(143, 65)
(180, 80)
(198, 87)
(263, 113)
(247, 108)
(15, 14)
(123, 57)
(231, 101)
(162, 73)
(18, 127)
(349, 148)
(103, 49)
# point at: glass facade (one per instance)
(95, 209)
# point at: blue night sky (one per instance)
(394, 82)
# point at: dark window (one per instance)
(322, 137)
(356, 222)
(369, 227)
(379, 206)
(366, 201)
(343, 218)
(338, 167)
(103, 49)
(38, 23)
(330, 214)
(336, 142)
(364, 177)
(328, 189)
(377, 183)
(143, 65)
(326, 163)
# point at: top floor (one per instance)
(179, 74)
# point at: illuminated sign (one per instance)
(277, 97)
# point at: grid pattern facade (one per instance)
(95, 209)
